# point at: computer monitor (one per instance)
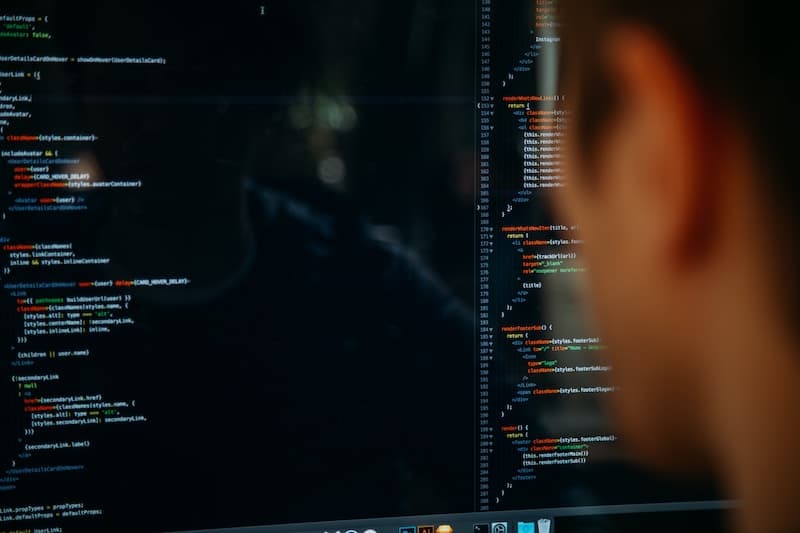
(290, 266)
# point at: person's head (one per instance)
(680, 170)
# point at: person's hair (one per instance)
(742, 55)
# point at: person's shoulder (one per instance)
(306, 217)
(323, 236)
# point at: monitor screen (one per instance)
(291, 266)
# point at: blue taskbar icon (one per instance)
(526, 527)
(409, 529)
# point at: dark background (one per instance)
(311, 171)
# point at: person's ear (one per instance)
(663, 128)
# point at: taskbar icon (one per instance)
(543, 525)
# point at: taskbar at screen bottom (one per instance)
(705, 516)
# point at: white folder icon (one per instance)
(543, 525)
